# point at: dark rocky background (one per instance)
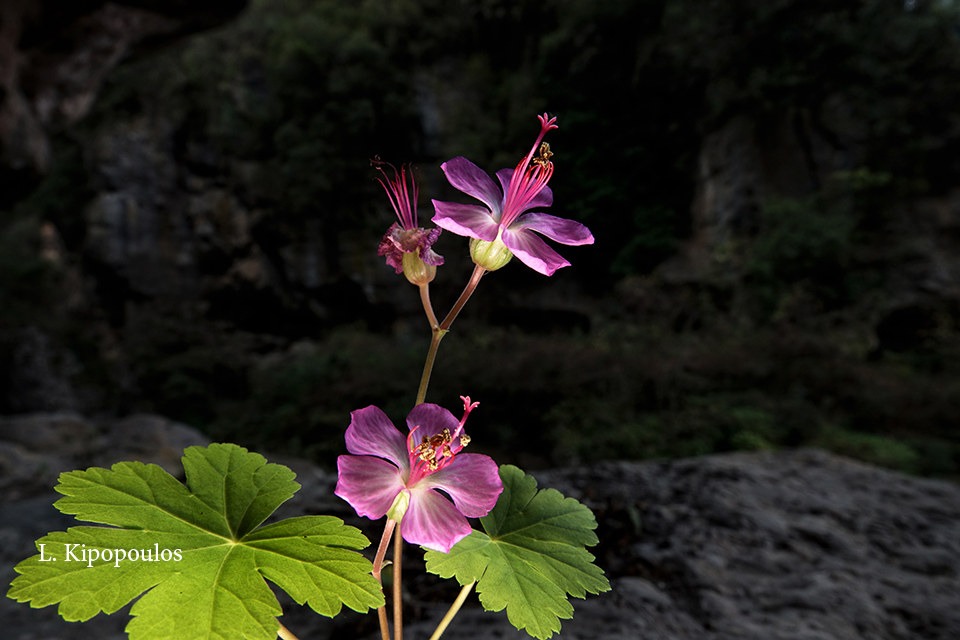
(188, 221)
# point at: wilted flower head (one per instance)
(406, 247)
(404, 476)
(505, 224)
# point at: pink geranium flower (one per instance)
(385, 464)
(405, 237)
(506, 213)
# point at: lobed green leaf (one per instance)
(530, 556)
(202, 556)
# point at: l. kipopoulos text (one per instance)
(95, 555)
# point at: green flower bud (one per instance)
(399, 506)
(416, 270)
(491, 255)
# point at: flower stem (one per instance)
(468, 290)
(435, 339)
(440, 330)
(427, 306)
(453, 610)
(285, 634)
(377, 570)
(397, 587)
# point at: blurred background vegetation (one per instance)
(772, 187)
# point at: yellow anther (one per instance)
(543, 156)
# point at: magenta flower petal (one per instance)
(542, 199)
(560, 230)
(433, 522)
(470, 220)
(428, 255)
(473, 181)
(522, 190)
(369, 484)
(370, 480)
(436, 417)
(533, 252)
(372, 434)
(473, 483)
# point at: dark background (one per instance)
(188, 221)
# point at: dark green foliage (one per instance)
(800, 240)
(657, 241)
(28, 281)
(25, 278)
(61, 196)
(802, 243)
(301, 400)
(621, 392)
(875, 449)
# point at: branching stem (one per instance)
(468, 290)
(440, 330)
(435, 339)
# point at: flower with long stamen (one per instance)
(403, 476)
(506, 225)
(406, 246)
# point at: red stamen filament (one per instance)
(530, 176)
(435, 452)
(399, 194)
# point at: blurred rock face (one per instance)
(55, 55)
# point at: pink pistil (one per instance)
(530, 176)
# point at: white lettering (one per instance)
(43, 558)
(70, 557)
(74, 552)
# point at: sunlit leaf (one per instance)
(195, 555)
(531, 556)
